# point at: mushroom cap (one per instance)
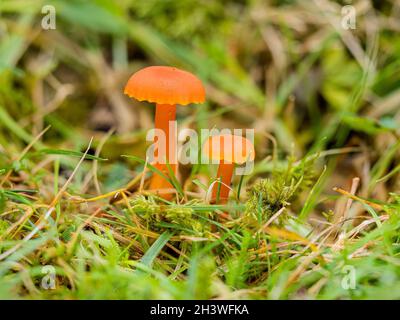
(229, 148)
(165, 85)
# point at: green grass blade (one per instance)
(71, 153)
(154, 250)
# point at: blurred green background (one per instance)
(288, 69)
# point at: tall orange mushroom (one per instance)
(229, 150)
(165, 86)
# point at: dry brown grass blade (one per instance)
(289, 235)
(348, 194)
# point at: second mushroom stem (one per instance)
(224, 174)
(165, 113)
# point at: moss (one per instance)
(269, 195)
(147, 208)
(156, 215)
(3, 226)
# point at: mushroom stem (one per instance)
(225, 172)
(164, 114)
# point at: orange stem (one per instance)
(164, 114)
(225, 172)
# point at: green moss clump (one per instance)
(147, 208)
(269, 195)
(179, 217)
(4, 225)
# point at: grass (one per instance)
(319, 216)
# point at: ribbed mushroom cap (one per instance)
(165, 85)
(229, 148)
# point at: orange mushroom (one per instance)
(165, 86)
(229, 150)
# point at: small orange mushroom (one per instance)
(229, 150)
(165, 86)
